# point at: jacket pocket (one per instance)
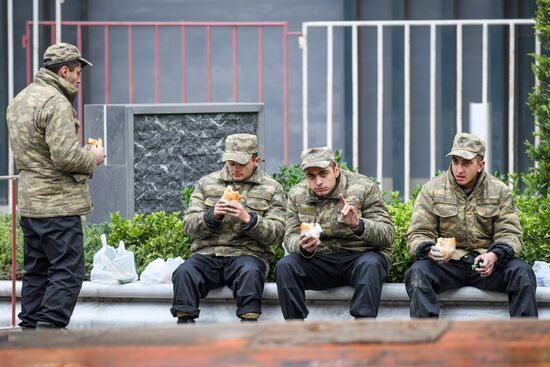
(485, 216)
(448, 218)
(258, 201)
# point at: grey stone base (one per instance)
(135, 304)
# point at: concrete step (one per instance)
(137, 304)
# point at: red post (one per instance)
(27, 46)
(106, 76)
(261, 63)
(131, 63)
(183, 64)
(13, 248)
(52, 28)
(235, 64)
(157, 64)
(208, 64)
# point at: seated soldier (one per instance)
(354, 245)
(232, 236)
(478, 210)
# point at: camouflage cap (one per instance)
(240, 147)
(62, 52)
(467, 146)
(319, 157)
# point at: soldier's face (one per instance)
(72, 76)
(242, 172)
(465, 171)
(322, 180)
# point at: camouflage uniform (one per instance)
(344, 257)
(53, 193)
(485, 220)
(240, 252)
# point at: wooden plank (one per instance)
(524, 342)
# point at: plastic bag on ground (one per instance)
(542, 273)
(160, 271)
(113, 266)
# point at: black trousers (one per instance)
(364, 271)
(425, 279)
(54, 270)
(244, 275)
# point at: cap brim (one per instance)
(240, 158)
(317, 164)
(462, 153)
(85, 62)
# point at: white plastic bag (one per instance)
(542, 272)
(113, 266)
(160, 271)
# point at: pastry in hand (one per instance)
(98, 143)
(311, 229)
(447, 247)
(230, 195)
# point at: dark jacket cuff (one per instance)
(422, 249)
(210, 221)
(252, 223)
(503, 251)
(360, 229)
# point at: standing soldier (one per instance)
(232, 239)
(53, 192)
(354, 245)
(478, 211)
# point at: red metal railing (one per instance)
(156, 26)
(13, 182)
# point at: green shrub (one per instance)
(5, 247)
(150, 236)
(401, 216)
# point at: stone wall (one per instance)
(154, 151)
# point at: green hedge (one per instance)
(161, 234)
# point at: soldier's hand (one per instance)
(350, 213)
(436, 255)
(486, 263)
(219, 209)
(237, 211)
(308, 243)
(99, 154)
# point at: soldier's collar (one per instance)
(69, 90)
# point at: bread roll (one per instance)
(311, 229)
(447, 246)
(230, 195)
(98, 143)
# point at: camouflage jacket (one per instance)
(488, 215)
(52, 165)
(260, 194)
(305, 206)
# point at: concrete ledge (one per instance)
(147, 305)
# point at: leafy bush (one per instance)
(150, 236)
(5, 247)
(401, 216)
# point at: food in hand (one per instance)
(311, 229)
(98, 143)
(230, 195)
(447, 246)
